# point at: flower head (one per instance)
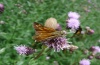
(72, 47)
(95, 49)
(90, 57)
(1, 8)
(97, 57)
(89, 30)
(73, 15)
(22, 49)
(73, 23)
(84, 62)
(57, 44)
(51, 23)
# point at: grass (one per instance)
(19, 16)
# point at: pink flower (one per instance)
(84, 62)
(22, 49)
(95, 49)
(73, 15)
(73, 23)
(57, 44)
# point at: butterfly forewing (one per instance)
(39, 27)
(42, 32)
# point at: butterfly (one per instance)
(43, 33)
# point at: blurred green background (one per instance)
(18, 18)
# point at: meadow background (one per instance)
(18, 18)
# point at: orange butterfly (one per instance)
(43, 33)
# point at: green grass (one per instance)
(18, 29)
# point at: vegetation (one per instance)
(17, 29)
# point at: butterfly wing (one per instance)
(42, 33)
(39, 27)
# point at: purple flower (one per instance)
(95, 49)
(1, 8)
(57, 44)
(73, 23)
(84, 62)
(73, 15)
(22, 49)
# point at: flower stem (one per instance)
(39, 54)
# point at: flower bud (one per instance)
(97, 57)
(89, 30)
(1, 8)
(90, 57)
(85, 51)
(51, 23)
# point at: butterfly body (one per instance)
(43, 33)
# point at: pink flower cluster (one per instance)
(73, 21)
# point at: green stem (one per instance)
(39, 54)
